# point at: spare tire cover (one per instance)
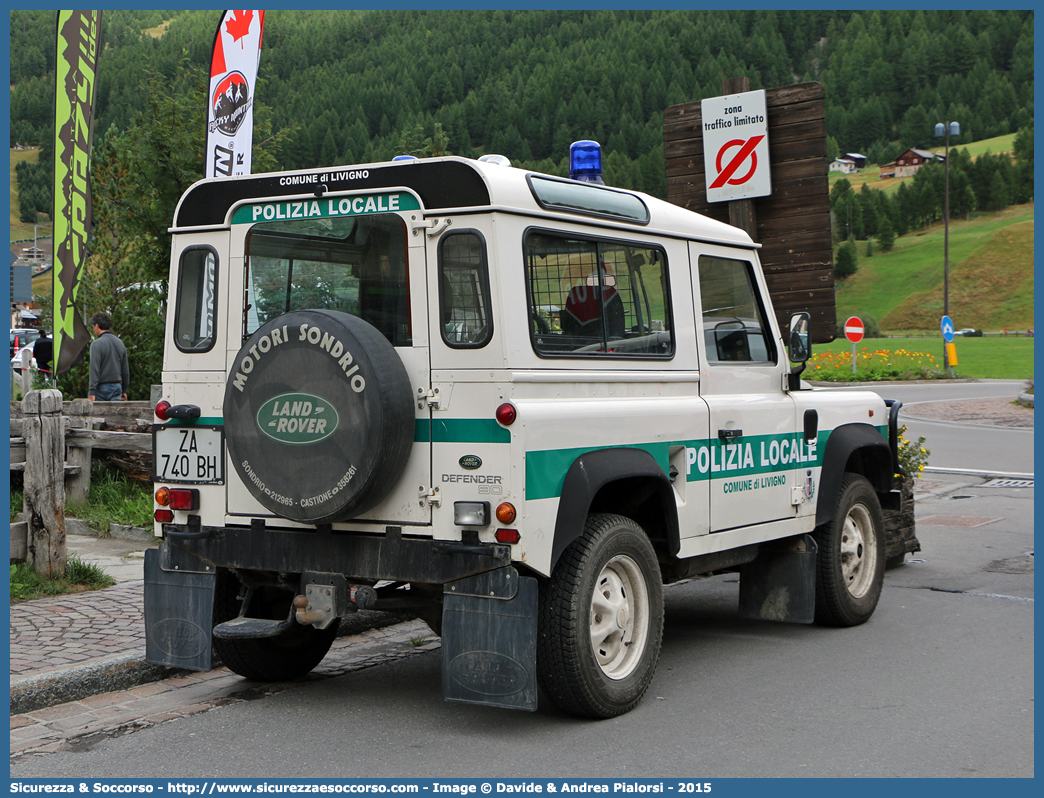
(318, 416)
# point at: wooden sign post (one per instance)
(793, 223)
(44, 486)
(741, 212)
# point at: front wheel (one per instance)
(851, 564)
(601, 620)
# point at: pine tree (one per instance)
(999, 196)
(885, 234)
(845, 260)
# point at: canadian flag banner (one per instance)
(230, 101)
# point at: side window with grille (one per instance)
(597, 297)
(465, 319)
(734, 327)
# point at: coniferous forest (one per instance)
(341, 87)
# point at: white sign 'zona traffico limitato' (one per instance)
(735, 146)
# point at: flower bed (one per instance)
(873, 365)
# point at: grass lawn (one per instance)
(990, 357)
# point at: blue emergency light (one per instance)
(405, 158)
(585, 161)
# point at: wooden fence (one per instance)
(52, 444)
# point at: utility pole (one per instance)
(945, 130)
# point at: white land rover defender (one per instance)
(512, 404)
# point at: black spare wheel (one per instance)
(318, 416)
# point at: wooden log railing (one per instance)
(52, 444)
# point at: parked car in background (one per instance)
(971, 332)
(21, 337)
(16, 359)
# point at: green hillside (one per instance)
(21, 230)
(991, 276)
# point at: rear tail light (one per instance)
(178, 498)
(506, 414)
(161, 409)
(164, 516)
(184, 499)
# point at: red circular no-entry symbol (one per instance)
(746, 150)
(854, 329)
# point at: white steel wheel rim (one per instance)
(619, 617)
(858, 551)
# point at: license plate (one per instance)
(188, 454)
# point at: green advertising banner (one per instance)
(75, 90)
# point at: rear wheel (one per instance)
(601, 620)
(271, 659)
(851, 564)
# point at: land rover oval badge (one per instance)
(470, 462)
(297, 418)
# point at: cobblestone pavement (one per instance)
(56, 633)
(77, 725)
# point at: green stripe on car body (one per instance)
(705, 459)
(459, 430)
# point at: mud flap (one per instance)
(489, 629)
(780, 585)
(179, 607)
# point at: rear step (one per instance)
(252, 628)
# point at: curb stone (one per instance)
(77, 526)
(119, 672)
(128, 669)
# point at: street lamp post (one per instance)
(947, 129)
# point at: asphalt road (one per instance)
(964, 445)
(939, 683)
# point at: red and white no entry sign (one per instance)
(854, 329)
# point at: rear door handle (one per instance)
(729, 434)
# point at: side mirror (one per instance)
(799, 349)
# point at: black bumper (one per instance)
(356, 556)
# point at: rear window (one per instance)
(353, 264)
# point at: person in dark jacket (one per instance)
(109, 370)
(43, 351)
